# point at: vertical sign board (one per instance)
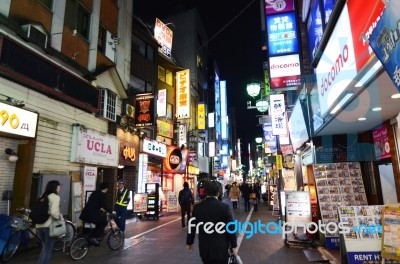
(282, 34)
(278, 112)
(144, 114)
(89, 178)
(183, 94)
(314, 28)
(201, 116)
(285, 71)
(162, 103)
(142, 173)
(298, 207)
(163, 35)
(391, 230)
(385, 41)
(381, 142)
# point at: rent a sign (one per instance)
(18, 121)
(93, 147)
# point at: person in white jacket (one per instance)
(51, 192)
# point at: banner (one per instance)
(172, 202)
(140, 202)
(384, 41)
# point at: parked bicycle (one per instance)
(63, 242)
(115, 239)
(20, 224)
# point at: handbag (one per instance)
(57, 228)
(235, 260)
(253, 196)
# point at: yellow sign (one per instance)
(391, 226)
(165, 129)
(201, 116)
(279, 162)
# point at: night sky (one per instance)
(235, 42)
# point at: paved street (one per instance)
(163, 241)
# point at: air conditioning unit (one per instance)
(130, 110)
(36, 34)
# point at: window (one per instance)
(108, 103)
(101, 43)
(47, 3)
(77, 17)
(161, 73)
(139, 86)
(150, 53)
(143, 48)
(169, 77)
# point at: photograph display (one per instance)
(338, 184)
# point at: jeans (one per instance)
(121, 212)
(185, 209)
(48, 242)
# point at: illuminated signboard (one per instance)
(142, 173)
(18, 121)
(163, 35)
(282, 34)
(328, 6)
(183, 94)
(297, 126)
(162, 103)
(211, 149)
(278, 6)
(278, 114)
(155, 148)
(144, 114)
(285, 71)
(314, 28)
(211, 119)
(165, 129)
(174, 162)
(224, 114)
(201, 116)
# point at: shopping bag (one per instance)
(57, 228)
(235, 260)
(253, 196)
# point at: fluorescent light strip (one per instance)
(367, 76)
(341, 103)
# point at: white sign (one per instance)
(172, 202)
(142, 174)
(337, 66)
(17, 121)
(211, 149)
(155, 148)
(278, 114)
(183, 94)
(163, 35)
(94, 147)
(298, 207)
(182, 139)
(288, 65)
(140, 202)
(89, 178)
(162, 103)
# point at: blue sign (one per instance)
(385, 42)
(364, 257)
(332, 243)
(314, 29)
(282, 34)
(328, 8)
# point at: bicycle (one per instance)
(115, 239)
(21, 223)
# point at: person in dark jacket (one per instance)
(213, 246)
(94, 212)
(121, 204)
(186, 201)
(257, 190)
(246, 191)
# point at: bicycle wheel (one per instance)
(79, 248)
(11, 246)
(65, 241)
(115, 239)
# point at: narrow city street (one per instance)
(163, 241)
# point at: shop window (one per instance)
(108, 103)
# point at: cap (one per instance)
(121, 181)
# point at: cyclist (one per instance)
(94, 212)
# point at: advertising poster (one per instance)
(391, 233)
(172, 202)
(140, 202)
(298, 207)
(282, 34)
(89, 178)
(385, 44)
(381, 142)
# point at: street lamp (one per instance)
(262, 105)
(253, 89)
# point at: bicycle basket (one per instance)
(19, 223)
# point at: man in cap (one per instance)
(121, 204)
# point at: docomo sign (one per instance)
(17, 121)
(337, 66)
(285, 71)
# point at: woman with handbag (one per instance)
(43, 230)
(234, 194)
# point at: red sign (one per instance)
(144, 115)
(364, 15)
(381, 142)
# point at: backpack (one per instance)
(202, 192)
(40, 211)
(185, 197)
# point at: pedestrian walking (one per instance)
(255, 196)
(121, 204)
(234, 195)
(186, 201)
(94, 212)
(246, 191)
(213, 246)
(52, 194)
